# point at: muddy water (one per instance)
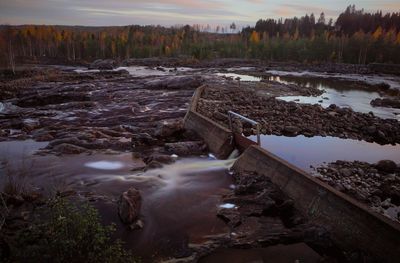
(180, 200)
(303, 151)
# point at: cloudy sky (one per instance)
(171, 12)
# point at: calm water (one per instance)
(338, 89)
(303, 151)
(341, 93)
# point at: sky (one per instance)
(172, 12)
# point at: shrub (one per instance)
(67, 232)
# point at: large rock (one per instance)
(142, 139)
(385, 102)
(168, 128)
(129, 205)
(175, 82)
(105, 64)
(66, 148)
(386, 166)
(290, 130)
(186, 148)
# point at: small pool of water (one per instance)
(392, 81)
(341, 93)
(141, 71)
(302, 151)
(241, 76)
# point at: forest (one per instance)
(355, 37)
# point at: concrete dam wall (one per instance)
(351, 224)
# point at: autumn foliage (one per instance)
(355, 37)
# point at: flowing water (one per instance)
(180, 200)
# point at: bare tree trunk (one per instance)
(11, 57)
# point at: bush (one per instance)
(68, 233)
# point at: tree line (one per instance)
(355, 37)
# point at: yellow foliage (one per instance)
(254, 38)
(378, 33)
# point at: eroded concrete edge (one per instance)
(351, 224)
(217, 137)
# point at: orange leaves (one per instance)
(254, 37)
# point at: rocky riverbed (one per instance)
(377, 185)
(290, 119)
(259, 215)
(89, 119)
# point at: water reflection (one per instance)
(303, 151)
(341, 93)
(242, 77)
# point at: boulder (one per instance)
(129, 205)
(161, 158)
(175, 82)
(386, 166)
(186, 148)
(103, 64)
(142, 139)
(66, 148)
(169, 128)
(290, 130)
(385, 102)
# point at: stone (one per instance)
(129, 206)
(346, 172)
(66, 148)
(186, 148)
(103, 64)
(161, 158)
(290, 130)
(154, 165)
(386, 166)
(386, 102)
(169, 128)
(142, 139)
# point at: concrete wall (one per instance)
(217, 137)
(351, 224)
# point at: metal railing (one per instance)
(254, 123)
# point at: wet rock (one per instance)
(153, 165)
(44, 137)
(103, 64)
(175, 82)
(129, 206)
(169, 128)
(161, 158)
(66, 148)
(290, 130)
(386, 166)
(142, 139)
(386, 102)
(186, 148)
